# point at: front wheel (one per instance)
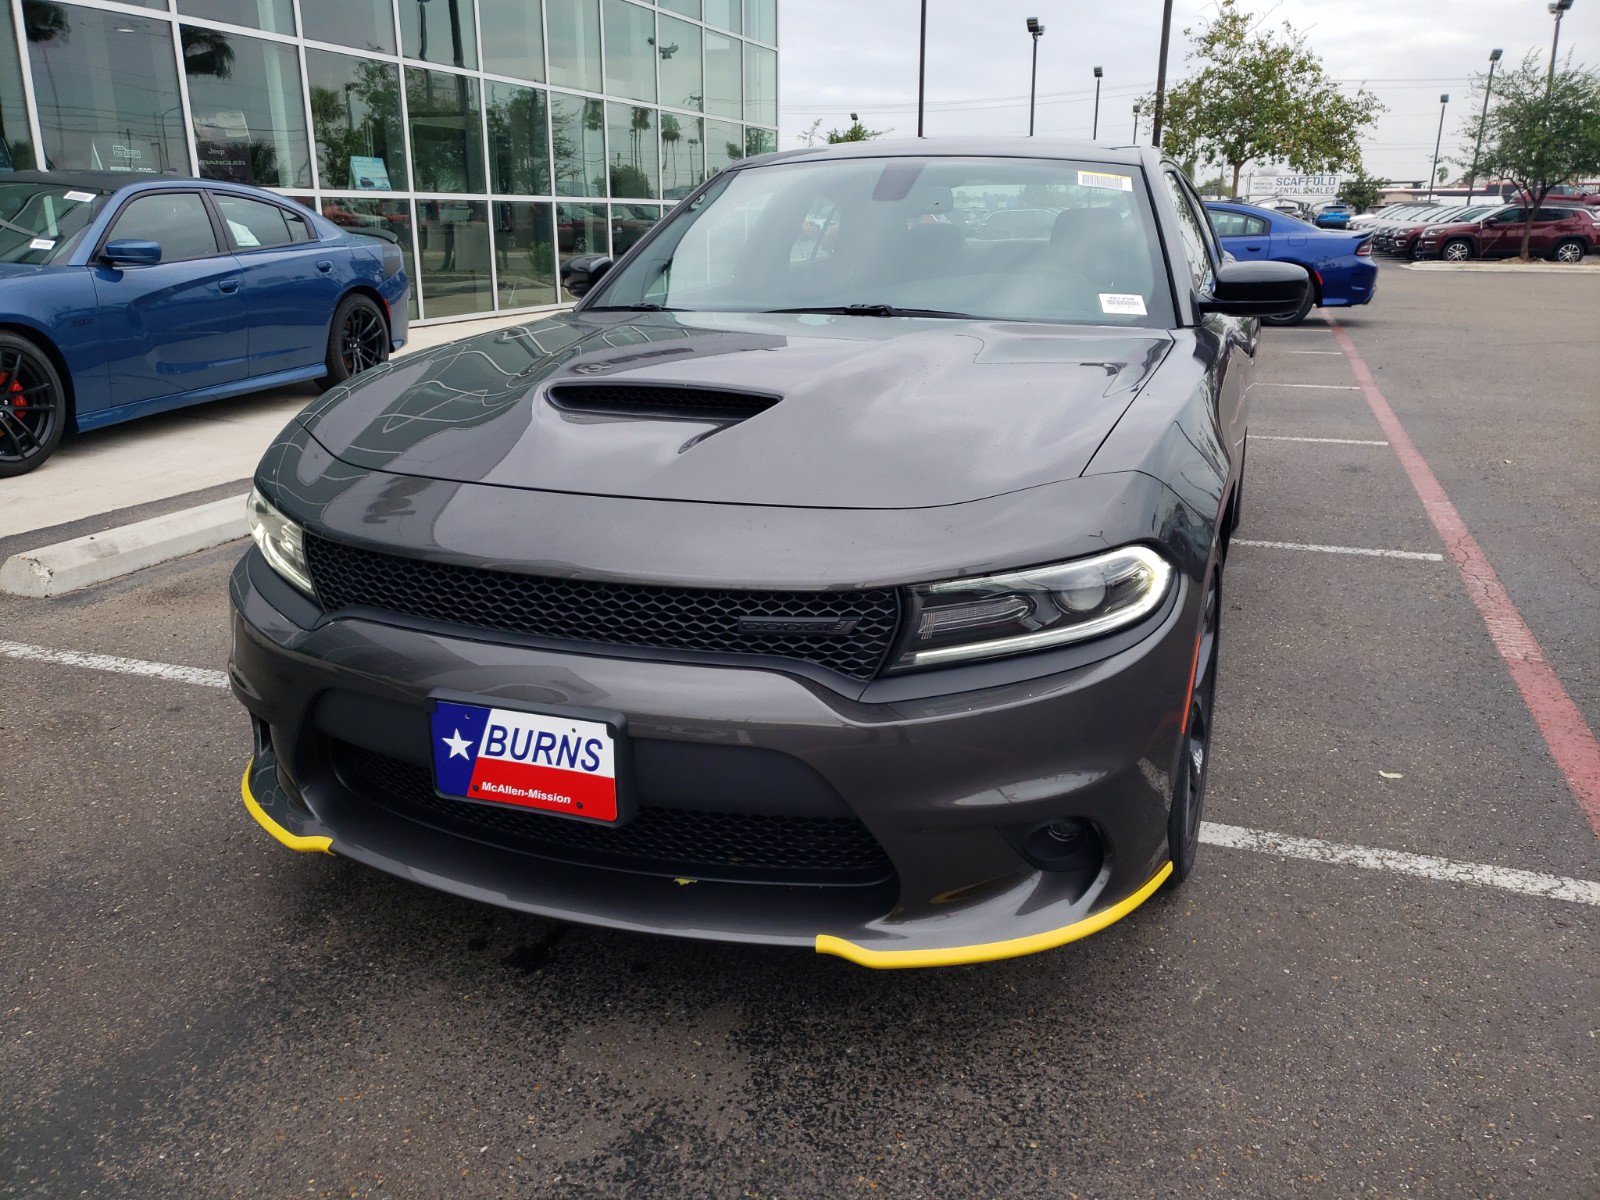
(33, 406)
(1194, 760)
(1458, 250)
(358, 339)
(1571, 251)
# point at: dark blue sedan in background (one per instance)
(1339, 262)
(123, 295)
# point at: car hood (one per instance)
(870, 412)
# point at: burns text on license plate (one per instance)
(533, 760)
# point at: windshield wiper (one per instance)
(633, 308)
(873, 310)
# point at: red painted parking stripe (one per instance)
(1572, 743)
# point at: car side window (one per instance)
(299, 227)
(1553, 214)
(1255, 226)
(254, 224)
(1228, 224)
(1195, 246)
(177, 220)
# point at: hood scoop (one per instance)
(660, 401)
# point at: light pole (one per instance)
(1477, 149)
(1558, 9)
(1135, 122)
(1161, 75)
(922, 64)
(1097, 74)
(1037, 30)
(1444, 102)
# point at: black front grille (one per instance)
(633, 399)
(745, 847)
(668, 618)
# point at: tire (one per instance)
(1237, 508)
(358, 339)
(1194, 756)
(1456, 250)
(1300, 313)
(33, 406)
(1570, 251)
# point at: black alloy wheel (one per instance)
(33, 406)
(1194, 759)
(1300, 313)
(358, 340)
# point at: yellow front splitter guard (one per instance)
(292, 840)
(951, 956)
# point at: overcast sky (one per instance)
(843, 56)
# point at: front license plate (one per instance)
(555, 762)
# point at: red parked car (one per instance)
(1564, 234)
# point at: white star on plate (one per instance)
(458, 744)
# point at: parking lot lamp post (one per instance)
(1037, 30)
(1161, 75)
(1098, 72)
(1135, 122)
(922, 64)
(1477, 149)
(1444, 103)
(1558, 9)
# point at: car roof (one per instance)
(965, 147)
(92, 181)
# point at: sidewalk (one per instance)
(177, 452)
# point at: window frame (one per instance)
(217, 230)
(1178, 193)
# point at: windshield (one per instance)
(1006, 239)
(41, 222)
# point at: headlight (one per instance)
(282, 542)
(1430, 232)
(1001, 615)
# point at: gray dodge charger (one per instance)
(841, 573)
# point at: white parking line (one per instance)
(1311, 352)
(1278, 437)
(1425, 866)
(1236, 837)
(1320, 387)
(1419, 555)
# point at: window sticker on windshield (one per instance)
(1122, 305)
(1098, 179)
(42, 244)
(80, 197)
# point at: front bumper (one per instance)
(947, 781)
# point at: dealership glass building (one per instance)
(495, 138)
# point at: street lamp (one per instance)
(1477, 149)
(1558, 9)
(1444, 102)
(1037, 30)
(1135, 122)
(922, 63)
(1161, 76)
(1097, 74)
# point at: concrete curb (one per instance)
(86, 561)
(1503, 267)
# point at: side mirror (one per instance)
(579, 275)
(1257, 289)
(131, 252)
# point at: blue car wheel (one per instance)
(33, 406)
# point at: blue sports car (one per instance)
(122, 295)
(1339, 262)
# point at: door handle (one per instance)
(228, 286)
(1252, 247)
(324, 265)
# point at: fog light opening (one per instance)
(1065, 845)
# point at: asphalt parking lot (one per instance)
(191, 1010)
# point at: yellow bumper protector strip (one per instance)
(951, 956)
(291, 840)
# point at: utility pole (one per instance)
(1444, 102)
(1161, 75)
(1477, 149)
(922, 65)
(1037, 30)
(1098, 72)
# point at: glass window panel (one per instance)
(355, 115)
(94, 118)
(761, 20)
(513, 38)
(760, 85)
(454, 237)
(629, 223)
(519, 141)
(382, 216)
(683, 158)
(364, 24)
(630, 50)
(682, 60)
(16, 143)
(724, 76)
(760, 141)
(525, 254)
(573, 27)
(275, 16)
(253, 224)
(446, 132)
(724, 145)
(177, 220)
(439, 31)
(689, 8)
(724, 14)
(578, 145)
(581, 229)
(632, 132)
(249, 115)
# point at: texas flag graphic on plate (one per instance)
(533, 760)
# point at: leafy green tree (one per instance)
(1361, 191)
(1543, 129)
(855, 133)
(1260, 94)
